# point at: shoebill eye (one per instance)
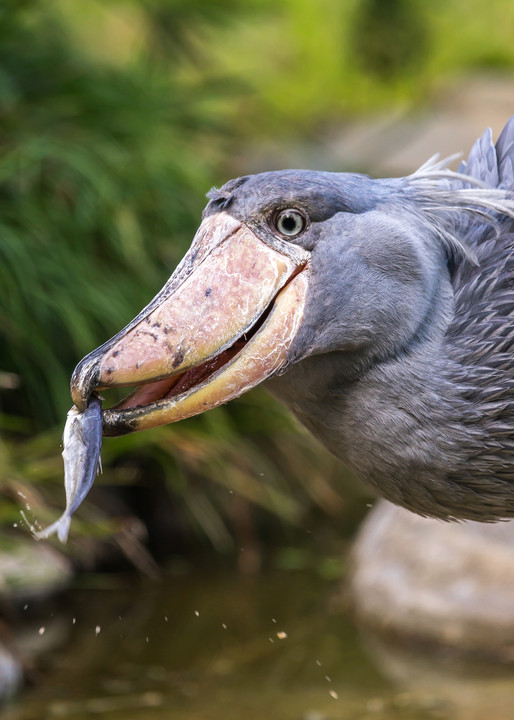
(290, 222)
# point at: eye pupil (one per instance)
(290, 222)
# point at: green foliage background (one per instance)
(115, 118)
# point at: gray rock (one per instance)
(31, 570)
(446, 583)
(397, 143)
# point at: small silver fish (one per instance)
(82, 443)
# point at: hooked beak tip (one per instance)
(84, 380)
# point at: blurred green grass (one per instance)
(115, 118)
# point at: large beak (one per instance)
(223, 323)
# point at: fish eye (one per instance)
(290, 222)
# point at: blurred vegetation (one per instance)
(116, 116)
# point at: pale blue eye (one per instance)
(290, 222)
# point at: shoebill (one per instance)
(380, 311)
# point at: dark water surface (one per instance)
(216, 646)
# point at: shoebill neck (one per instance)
(402, 424)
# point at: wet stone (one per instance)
(449, 584)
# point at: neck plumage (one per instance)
(415, 427)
